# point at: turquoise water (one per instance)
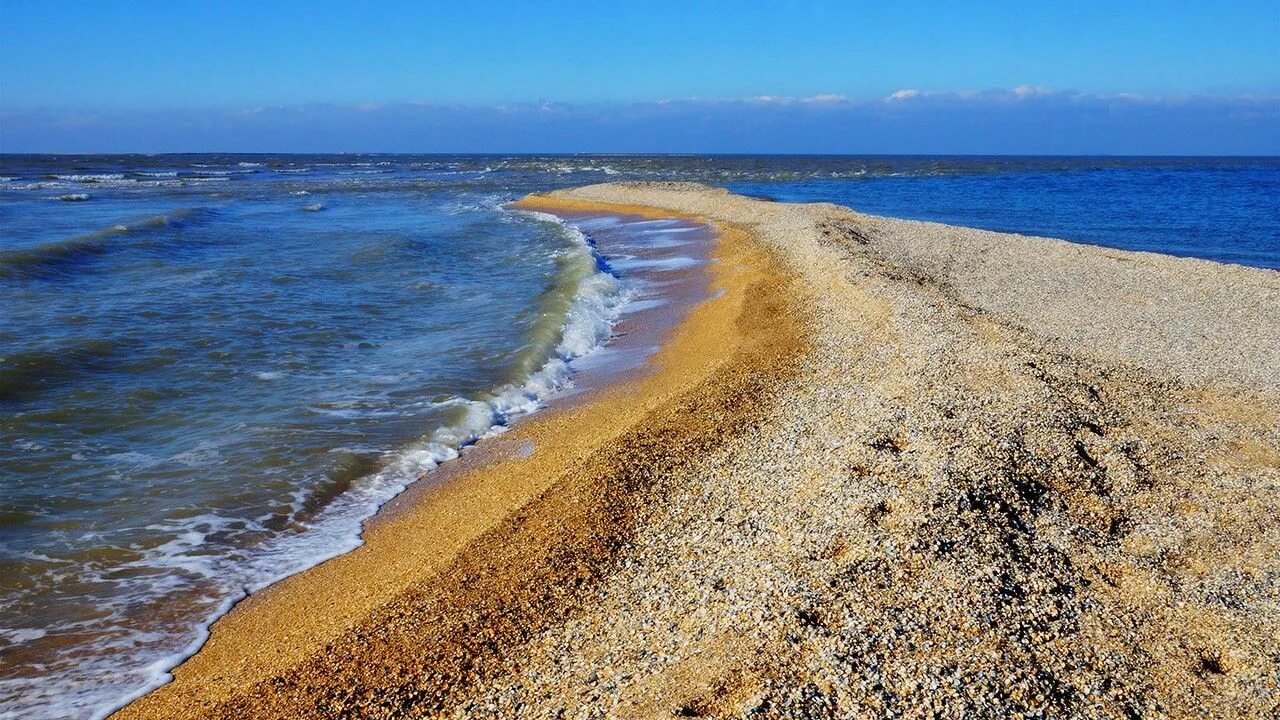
(213, 368)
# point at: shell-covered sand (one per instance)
(894, 469)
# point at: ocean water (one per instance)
(213, 368)
(1223, 209)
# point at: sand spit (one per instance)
(895, 469)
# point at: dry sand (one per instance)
(895, 469)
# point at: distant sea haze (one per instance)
(213, 367)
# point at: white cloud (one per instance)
(909, 120)
(1019, 93)
(1023, 91)
(792, 100)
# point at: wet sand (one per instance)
(893, 468)
(506, 530)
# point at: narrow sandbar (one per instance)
(891, 468)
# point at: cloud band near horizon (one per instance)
(1022, 120)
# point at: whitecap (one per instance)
(91, 178)
(594, 308)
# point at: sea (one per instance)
(214, 368)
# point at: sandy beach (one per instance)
(889, 468)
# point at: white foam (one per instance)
(638, 305)
(595, 307)
(21, 635)
(658, 239)
(598, 223)
(221, 173)
(660, 264)
(91, 178)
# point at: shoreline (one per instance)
(481, 493)
(638, 335)
(894, 467)
(637, 332)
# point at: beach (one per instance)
(884, 468)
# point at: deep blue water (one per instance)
(1218, 209)
(212, 367)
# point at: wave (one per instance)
(579, 310)
(579, 313)
(91, 178)
(132, 183)
(582, 307)
(28, 374)
(221, 173)
(55, 258)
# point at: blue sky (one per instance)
(1029, 76)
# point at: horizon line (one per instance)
(109, 153)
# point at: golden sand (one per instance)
(896, 469)
(443, 574)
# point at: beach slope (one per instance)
(892, 468)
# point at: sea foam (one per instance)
(598, 301)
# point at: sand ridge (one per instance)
(897, 469)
